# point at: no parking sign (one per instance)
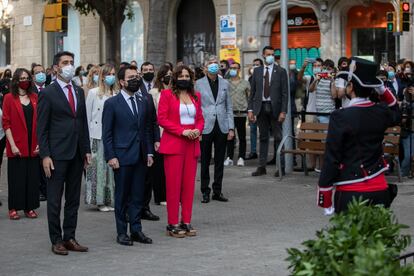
(228, 32)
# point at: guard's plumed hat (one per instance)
(363, 71)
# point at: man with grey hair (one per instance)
(218, 127)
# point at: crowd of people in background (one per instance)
(136, 131)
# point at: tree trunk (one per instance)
(113, 41)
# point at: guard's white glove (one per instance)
(328, 211)
(380, 90)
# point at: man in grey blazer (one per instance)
(268, 104)
(218, 127)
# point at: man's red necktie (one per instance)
(71, 98)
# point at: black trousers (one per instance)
(265, 121)
(240, 126)
(155, 181)
(42, 181)
(342, 199)
(219, 140)
(23, 181)
(67, 176)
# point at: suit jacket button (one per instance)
(96, 122)
(99, 108)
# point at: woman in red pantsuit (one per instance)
(180, 114)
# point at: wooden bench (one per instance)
(310, 140)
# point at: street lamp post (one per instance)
(287, 125)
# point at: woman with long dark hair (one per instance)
(180, 114)
(19, 123)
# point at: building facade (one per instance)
(167, 30)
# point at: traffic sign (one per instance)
(228, 31)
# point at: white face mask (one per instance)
(407, 70)
(68, 72)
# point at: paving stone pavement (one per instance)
(246, 236)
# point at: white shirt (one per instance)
(187, 114)
(128, 101)
(395, 84)
(65, 89)
(270, 69)
(341, 83)
(146, 85)
(38, 86)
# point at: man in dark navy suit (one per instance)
(39, 79)
(128, 148)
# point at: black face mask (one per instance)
(167, 80)
(184, 84)
(148, 76)
(134, 85)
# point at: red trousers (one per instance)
(180, 172)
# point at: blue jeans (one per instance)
(405, 164)
(253, 137)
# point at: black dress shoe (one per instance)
(206, 198)
(259, 171)
(277, 173)
(148, 215)
(123, 239)
(272, 162)
(42, 197)
(1, 203)
(219, 197)
(251, 156)
(140, 237)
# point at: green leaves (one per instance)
(365, 240)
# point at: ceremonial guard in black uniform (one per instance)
(354, 159)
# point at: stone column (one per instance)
(157, 32)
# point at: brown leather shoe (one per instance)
(59, 249)
(73, 245)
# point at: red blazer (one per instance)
(13, 119)
(169, 118)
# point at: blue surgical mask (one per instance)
(317, 70)
(40, 77)
(270, 59)
(95, 78)
(233, 73)
(109, 80)
(391, 75)
(213, 68)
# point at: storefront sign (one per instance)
(228, 31)
(302, 20)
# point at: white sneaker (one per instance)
(111, 209)
(228, 162)
(164, 203)
(104, 209)
(240, 162)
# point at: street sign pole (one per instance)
(287, 125)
